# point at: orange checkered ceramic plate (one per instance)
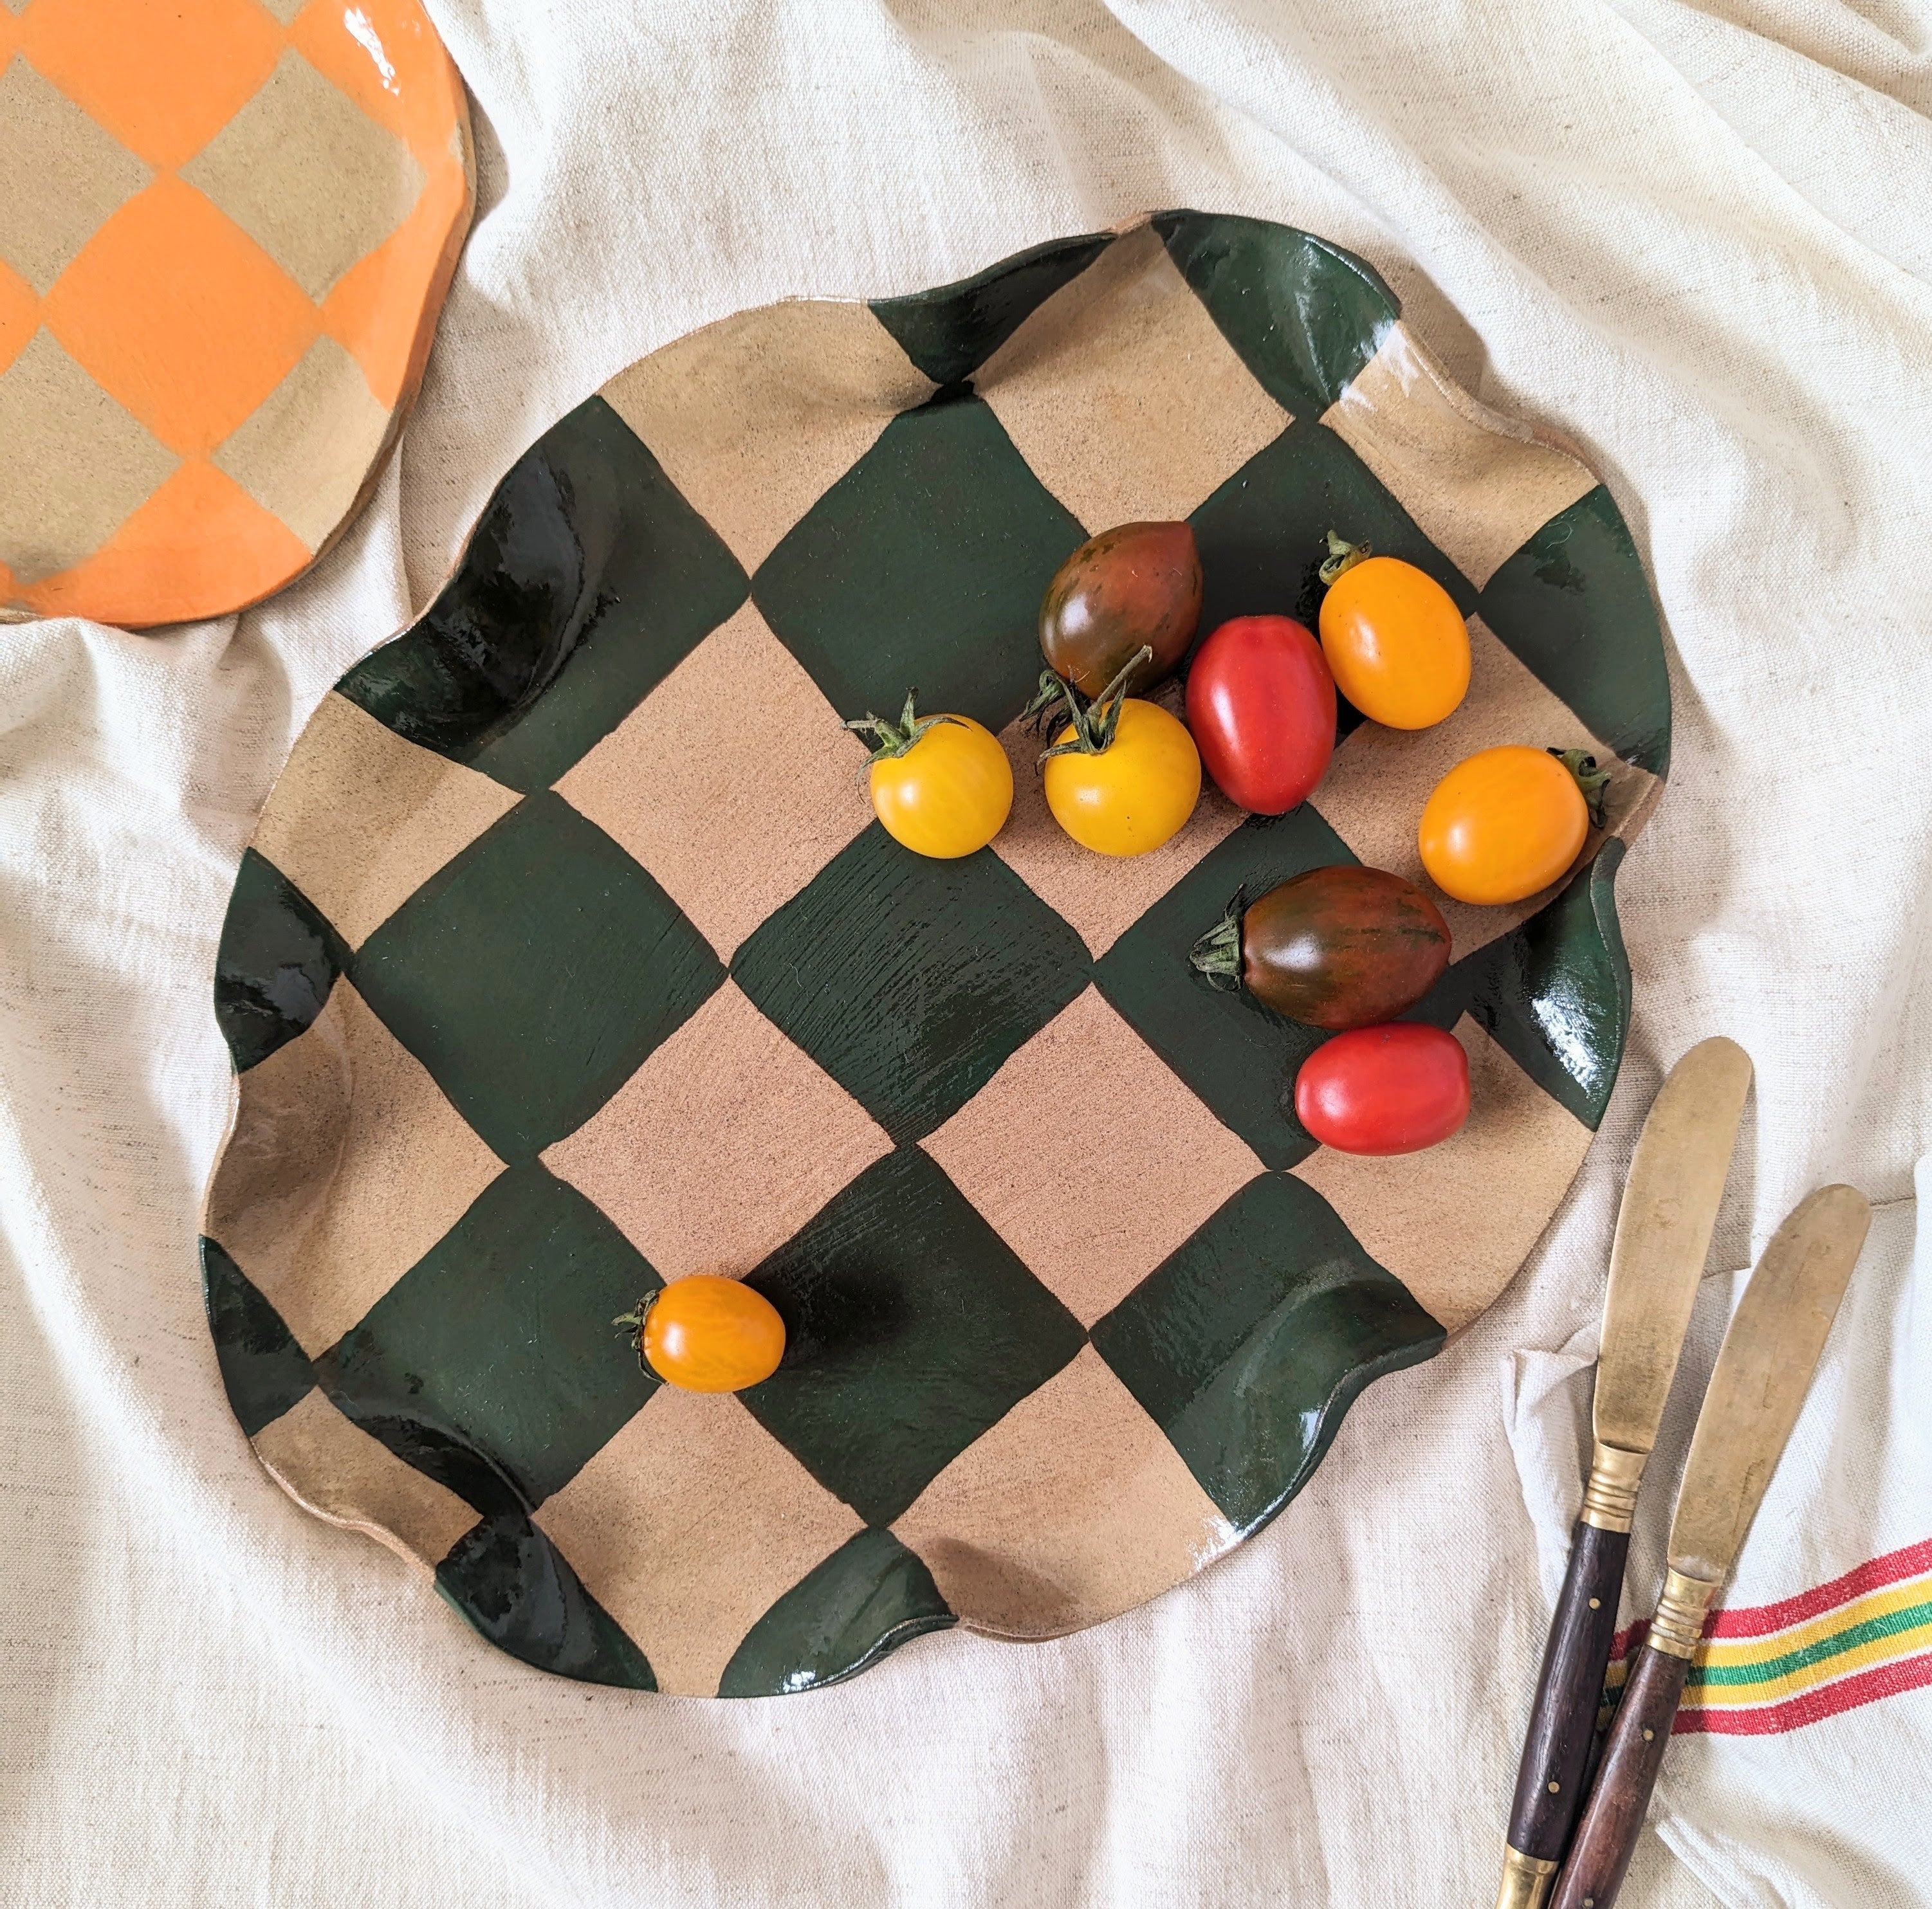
(227, 230)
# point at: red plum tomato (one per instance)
(1262, 706)
(1395, 1088)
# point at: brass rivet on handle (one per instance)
(1554, 1787)
(1596, 1604)
(1649, 1735)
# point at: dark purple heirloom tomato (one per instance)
(1342, 947)
(1139, 583)
(1395, 1088)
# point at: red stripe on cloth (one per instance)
(1761, 1620)
(1810, 1707)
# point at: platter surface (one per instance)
(568, 959)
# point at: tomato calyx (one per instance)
(1093, 723)
(1593, 781)
(1342, 556)
(1216, 956)
(633, 1321)
(892, 739)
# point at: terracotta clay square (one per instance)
(1090, 1157)
(721, 1145)
(771, 786)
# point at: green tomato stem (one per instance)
(1217, 954)
(1093, 726)
(634, 1321)
(1594, 782)
(894, 739)
(1342, 556)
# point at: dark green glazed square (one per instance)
(1555, 992)
(870, 1596)
(950, 331)
(1304, 315)
(1574, 604)
(1240, 1058)
(1264, 533)
(278, 960)
(922, 567)
(264, 1371)
(505, 1579)
(909, 980)
(533, 974)
(493, 1364)
(910, 1328)
(588, 579)
(1250, 1340)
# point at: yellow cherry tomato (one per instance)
(946, 792)
(705, 1333)
(1501, 825)
(1132, 795)
(1396, 643)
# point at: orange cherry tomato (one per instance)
(1396, 643)
(1501, 825)
(705, 1334)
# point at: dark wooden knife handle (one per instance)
(1549, 1782)
(1607, 1837)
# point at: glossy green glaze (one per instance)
(505, 1578)
(486, 1367)
(910, 980)
(587, 581)
(922, 568)
(533, 973)
(1248, 1344)
(265, 1371)
(911, 1328)
(542, 963)
(950, 331)
(279, 960)
(870, 1596)
(1575, 605)
(1304, 315)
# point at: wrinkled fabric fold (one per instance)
(1688, 242)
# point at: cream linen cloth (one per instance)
(1698, 239)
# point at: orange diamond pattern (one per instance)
(198, 532)
(163, 76)
(170, 280)
(185, 321)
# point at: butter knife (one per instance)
(1763, 1371)
(1670, 1206)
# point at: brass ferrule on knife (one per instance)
(1526, 1879)
(1610, 1493)
(1678, 1625)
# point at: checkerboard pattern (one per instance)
(227, 230)
(568, 960)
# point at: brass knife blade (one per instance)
(1763, 1371)
(1664, 1232)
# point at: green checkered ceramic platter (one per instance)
(568, 960)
